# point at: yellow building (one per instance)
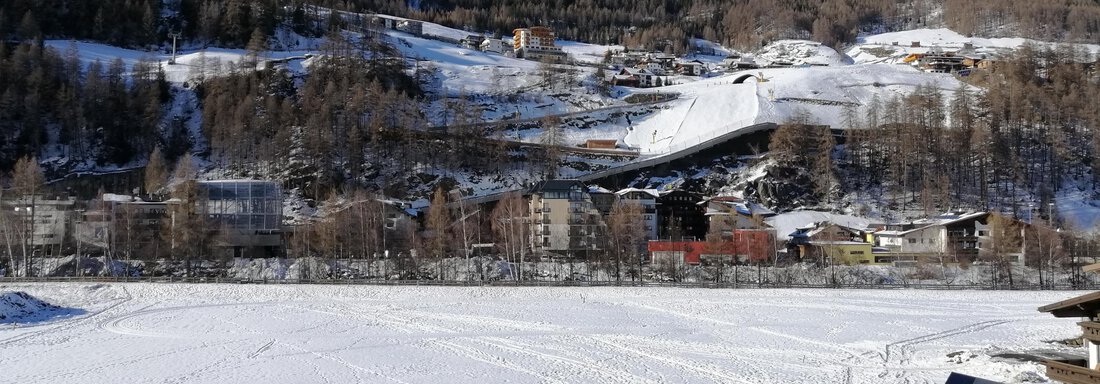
(839, 252)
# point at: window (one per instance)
(983, 233)
(912, 241)
(855, 253)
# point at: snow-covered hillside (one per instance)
(189, 64)
(800, 52)
(263, 333)
(714, 106)
(892, 47)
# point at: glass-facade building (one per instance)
(250, 206)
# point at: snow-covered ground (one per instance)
(189, 64)
(250, 333)
(893, 46)
(715, 106)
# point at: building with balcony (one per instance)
(680, 217)
(496, 46)
(956, 237)
(647, 198)
(564, 220)
(536, 43)
(38, 221)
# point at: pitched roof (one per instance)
(556, 185)
(938, 221)
(652, 192)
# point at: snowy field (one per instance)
(294, 334)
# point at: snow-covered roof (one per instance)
(652, 192)
(840, 243)
(598, 189)
(937, 221)
(119, 198)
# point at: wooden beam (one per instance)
(1091, 268)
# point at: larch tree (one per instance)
(156, 173)
(626, 234)
(29, 181)
(511, 228)
(439, 228)
(552, 139)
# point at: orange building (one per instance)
(747, 245)
(536, 43)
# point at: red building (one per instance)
(747, 246)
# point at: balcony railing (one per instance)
(1071, 374)
(1091, 330)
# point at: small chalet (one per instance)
(833, 243)
(726, 213)
(666, 61)
(654, 67)
(496, 46)
(632, 77)
(739, 63)
(472, 42)
(691, 68)
(1086, 307)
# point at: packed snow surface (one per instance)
(406, 334)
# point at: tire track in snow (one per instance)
(52, 376)
(701, 370)
(115, 324)
(604, 372)
(837, 347)
(898, 362)
(343, 362)
(409, 326)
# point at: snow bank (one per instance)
(20, 307)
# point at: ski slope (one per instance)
(148, 333)
(714, 106)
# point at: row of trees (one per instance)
(145, 23)
(104, 112)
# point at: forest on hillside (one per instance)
(750, 24)
(1029, 133)
(652, 24)
(358, 120)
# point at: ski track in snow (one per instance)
(229, 333)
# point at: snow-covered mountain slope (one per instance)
(800, 52)
(189, 64)
(715, 106)
(892, 47)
